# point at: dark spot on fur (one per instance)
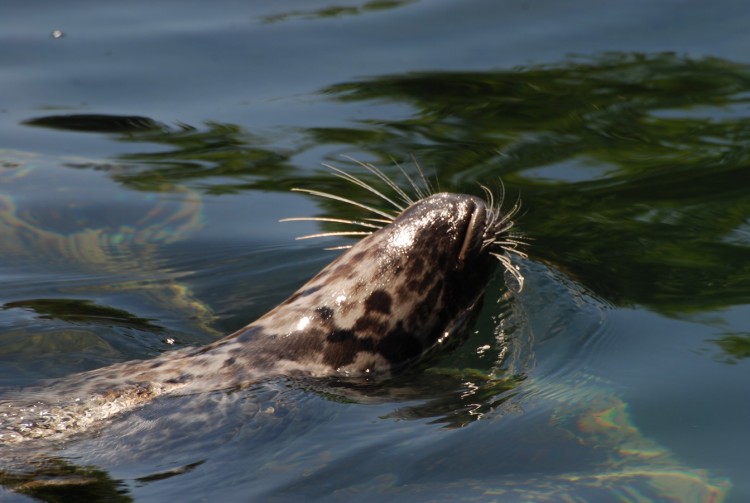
(229, 362)
(379, 301)
(182, 378)
(325, 313)
(340, 335)
(300, 345)
(399, 346)
(429, 304)
(343, 347)
(303, 293)
(370, 326)
(420, 283)
(246, 335)
(156, 364)
(358, 256)
(309, 291)
(416, 266)
(343, 270)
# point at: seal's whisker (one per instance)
(326, 195)
(504, 222)
(334, 248)
(517, 239)
(509, 267)
(502, 228)
(378, 220)
(425, 181)
(498, 236)
(513, 211)
(335, 233)
(405, 196)
(510, 247)
(490, 199)
(383, 177)
(334, 220)
(361, 183)
(418, 192)
(505, 240)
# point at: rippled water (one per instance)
(147, 154)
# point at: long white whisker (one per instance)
(378, 220)
(418, 192)
(515, 251)
(353, 179)
(490, 198)
(382, 176)
(508, 265)
(330, 234)
(388, 216)
(334, 220)
(426, 182)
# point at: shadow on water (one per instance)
(660, 144)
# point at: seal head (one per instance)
(393, 296)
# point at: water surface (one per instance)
(147, 221)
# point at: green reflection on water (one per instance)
(735, 347)
(55, 479)
(631, 167)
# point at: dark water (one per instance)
(621, 372)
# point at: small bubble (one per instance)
(170, 340)
(57, 34)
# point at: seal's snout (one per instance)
(461, 218)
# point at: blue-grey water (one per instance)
(148, 149)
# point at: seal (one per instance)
(408, 287)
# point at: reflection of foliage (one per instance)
(338, 11)
(215, 160)
(736, 346)
(83, 312)
(98, 123)
(54, 479)
(221, 152)
(632, 168)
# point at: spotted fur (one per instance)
(401, 291)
